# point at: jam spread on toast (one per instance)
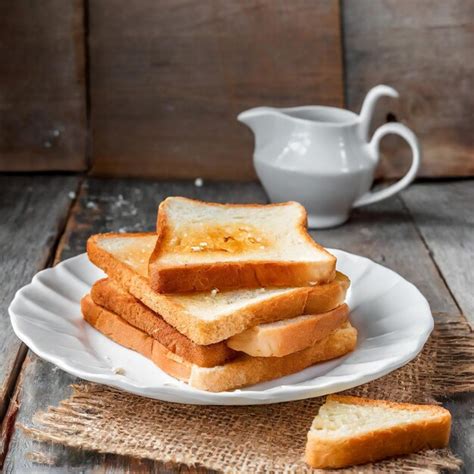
(206, 237)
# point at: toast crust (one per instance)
(382, 443)
(237, 275)
(121, 332)
(111, 296)
(242, 371)
(296, 335)
(204, 332)
(247, 370)
(323, 298)
(234, 275)
(117, 328)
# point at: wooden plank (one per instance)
(168, 79)
(32, 212)
(42, 104)
(462, 432)
(385, 233)
(444, 213)
(103, 205)
(422, 49)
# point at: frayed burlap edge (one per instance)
(269, 438)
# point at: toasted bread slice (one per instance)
(210, 317)
(239, 372)
(352, 430)
(204, 245)
(323, 298)
(290, 335)
(110, 295)
(265, 340)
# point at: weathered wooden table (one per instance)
(427, 235)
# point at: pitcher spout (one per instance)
(252, 117)
(261, 121)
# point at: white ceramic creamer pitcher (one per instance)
(322, 157)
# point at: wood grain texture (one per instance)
(33, 210)
(168, 79)
(461, 442)
(42, 99)
(424, 50)
(444, 213)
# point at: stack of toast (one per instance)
(222, 296)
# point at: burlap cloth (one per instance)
(268, 438)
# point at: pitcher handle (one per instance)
(368, 106)
(374, 149)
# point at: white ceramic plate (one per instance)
(392, 317)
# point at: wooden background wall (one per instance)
(152, 87)
(42, 85)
